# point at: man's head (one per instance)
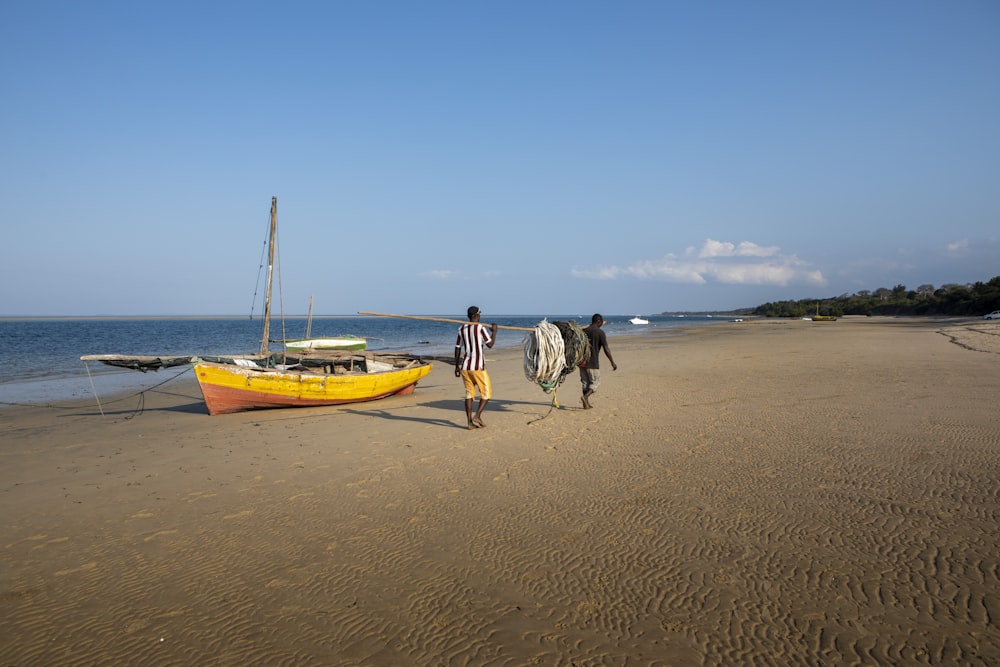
(597, 320)
(473, 313)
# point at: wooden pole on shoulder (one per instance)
(439, 319)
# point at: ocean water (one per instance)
(40, 357)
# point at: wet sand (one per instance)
(765, 493)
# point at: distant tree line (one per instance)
(959, 300)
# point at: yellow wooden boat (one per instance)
(314, 381)
(289, 379)
(310, 379)
(822, 318)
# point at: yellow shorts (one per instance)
(477, 380)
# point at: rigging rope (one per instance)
(281, 293)
(260, 267)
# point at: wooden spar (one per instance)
(265, 342)
(440, 319)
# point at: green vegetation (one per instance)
(957, 300)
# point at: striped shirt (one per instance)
(471, 339)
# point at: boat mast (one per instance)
(265, 343)
(309, 319)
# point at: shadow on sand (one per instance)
(531, 409)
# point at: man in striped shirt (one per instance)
(470, 364)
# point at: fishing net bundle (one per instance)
(552, 351)
(576, 343)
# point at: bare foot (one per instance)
(479, 422)
(472, 426)
(586, 403)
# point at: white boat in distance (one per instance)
(638, 320)
(338, 343)
(347, 342)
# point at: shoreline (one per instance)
(774, 491)
(29, 318)
(747, 318)
(60, 392)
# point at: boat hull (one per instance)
(228, 388)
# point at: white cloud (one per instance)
(754, 274)
(959, 247)
(441, 274)
(748, 249)
(745, 263)
(713, 248)
(669, 268)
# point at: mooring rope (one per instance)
(141, 394)
(93, 388)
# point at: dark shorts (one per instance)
(590, 378)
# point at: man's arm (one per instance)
(607, 353)
(493, 335)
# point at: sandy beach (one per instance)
(755, 493)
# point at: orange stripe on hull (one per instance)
(225, 400)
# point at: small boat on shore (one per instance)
(333, 343)
(822, 318)
(347, 342)
(322, 378)
(306, 378)
(638, 320)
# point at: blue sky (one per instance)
(528, 157)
